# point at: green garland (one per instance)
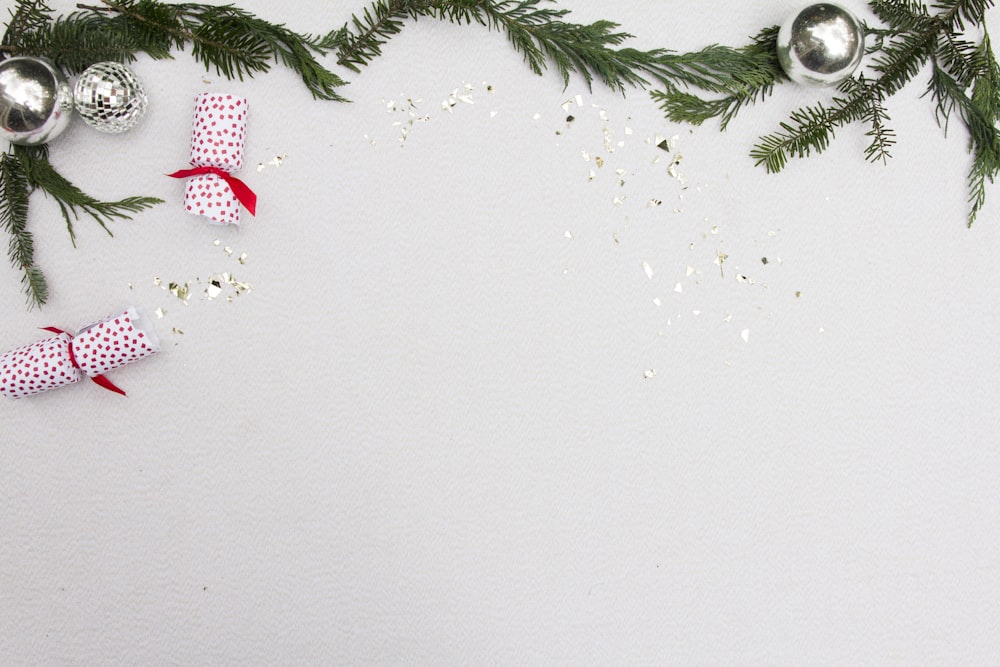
(965, 77)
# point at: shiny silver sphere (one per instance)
(36, 102)
(110, 97)
(821, 45)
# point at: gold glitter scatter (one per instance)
(763, 260)
(242, 259)
(130, 286)
(177, 331)
(741, 278)
(277, 160)
(798, 294)
(696, 313)
(599, 160)
(489, 88)
(745, 335)
(216, 242)
(679, 288)
(689, 271)
(657, 302)
(649, 374)
(728, 317)
(592, 175)
(648, 269)
(536, 116)
(653, 203)
(160, 313)
(158, 282)
(585, 155)
(715, 230)
(228, 251)
(493, 114)
(568, 234)
(260, 167)
(618, 201)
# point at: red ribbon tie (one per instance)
(243, 193)
(99, 380)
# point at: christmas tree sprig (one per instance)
(964, 81)
(538, 33)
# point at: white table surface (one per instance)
(456, 421)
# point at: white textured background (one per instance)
(426, 436)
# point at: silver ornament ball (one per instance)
(821, 45)
(110, 97)
(35, 101)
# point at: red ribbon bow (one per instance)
(243, 193)
(100, 380)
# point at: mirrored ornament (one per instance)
(821, 45)
(36, 102)
(110, 97)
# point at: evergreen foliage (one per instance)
(964, 81)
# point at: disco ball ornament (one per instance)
(36, 102)
(821, 45)
(110, 97)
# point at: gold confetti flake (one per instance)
(182, 292)
(568, 234)
(653, 203)
(679, 288)
(657, 302)
(599, 160)
(177, 331)
(159, 313)
(648, 269)
(242, 259)
(745, 335)
(649, 374)
(689, 271)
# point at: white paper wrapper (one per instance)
(64, 359)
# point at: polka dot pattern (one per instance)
(38, 367)
(112, 342)
(64, 359)
(218, 135)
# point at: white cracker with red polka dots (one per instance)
(64, 359)
(38, 367)
(218, 135)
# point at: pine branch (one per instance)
(360, 41)
(233, 41)
(14, 194)
(40, 173)
(744, 76)
(985, 138)
(538, 33)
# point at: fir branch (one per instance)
(14, 194)
(744, 76)
(985, 143)
(233, 41)
(360, 40)
(40, 173)
(538, 33)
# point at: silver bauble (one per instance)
(821, 45)
(110, 97)
(36, 102)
